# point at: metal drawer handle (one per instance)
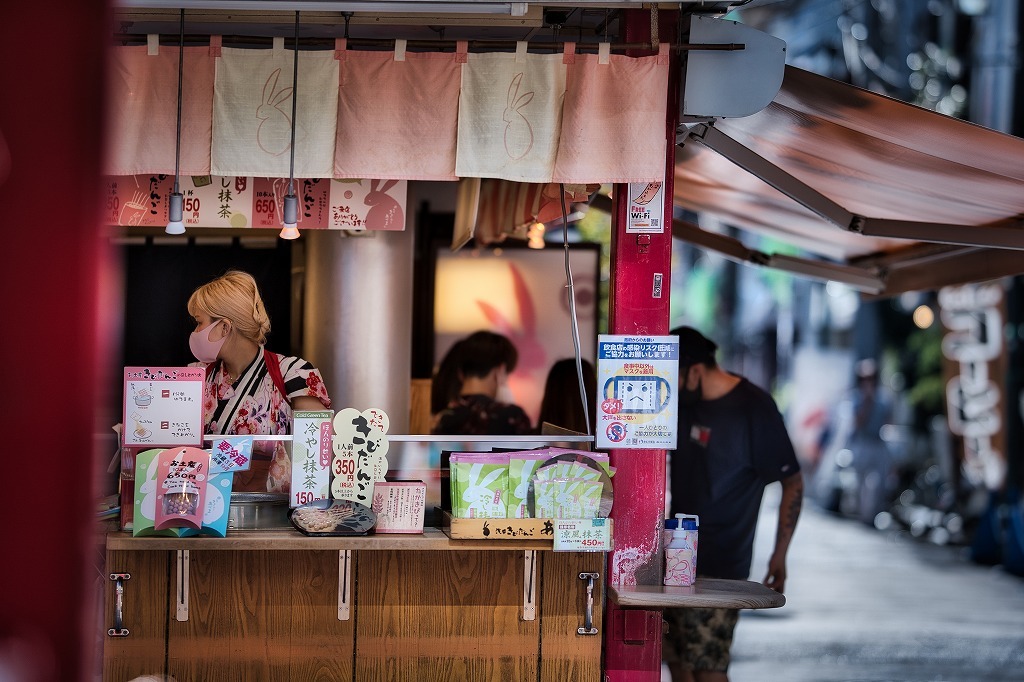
(119, 630)
(588, 613)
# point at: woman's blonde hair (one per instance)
(234, 296)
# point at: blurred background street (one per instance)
(865, 605)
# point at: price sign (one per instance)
(311, 457)
(360, 454)
(583, 535)
(231, 453)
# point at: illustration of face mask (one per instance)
(202, 347)
(639, 394)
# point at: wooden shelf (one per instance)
(706, 593)
(432, 539)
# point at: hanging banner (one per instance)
(241, 202)
(976, 365)
(637, 397)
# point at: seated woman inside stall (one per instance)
(249, 389)
(469, 381)
(562, 405)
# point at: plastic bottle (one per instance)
(681, 552)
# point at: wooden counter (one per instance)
(279, 605)
(432, 539)
(706, 593)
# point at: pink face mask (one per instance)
(202, 347)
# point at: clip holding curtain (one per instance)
(521, 46)
(604, 51)
(569, 53)
(400, 45)
(152, 44)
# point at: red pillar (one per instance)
(53, 270)
(633, 637)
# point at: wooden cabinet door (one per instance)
(145, 603)
(445, 615)
(564, 653)
(261, 615)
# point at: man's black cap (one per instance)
(694, 347)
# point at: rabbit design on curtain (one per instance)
(518, 131)
(274, 130)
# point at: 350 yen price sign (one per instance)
(344, 466)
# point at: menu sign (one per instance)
(360, 454)
(244, 202)
(163, 406)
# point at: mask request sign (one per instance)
(637, 399)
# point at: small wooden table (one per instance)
(706, 593)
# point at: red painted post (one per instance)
(57, 266)
(632, 638)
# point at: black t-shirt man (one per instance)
(729, 449)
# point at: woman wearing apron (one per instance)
(249, 390)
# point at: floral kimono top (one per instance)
(254, 405)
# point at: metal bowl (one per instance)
(253, 511)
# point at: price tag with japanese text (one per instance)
(231, 453)
(311, 457)
(360, 454)
(583, 535)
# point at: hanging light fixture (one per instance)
(535, 236)
(291, 202)
(174, 207)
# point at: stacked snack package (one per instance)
(479, 485)
(521, 466)
(599, 457)
(496, 484)
(567, 490)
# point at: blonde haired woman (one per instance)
(249, 390)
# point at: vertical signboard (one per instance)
(973, 344)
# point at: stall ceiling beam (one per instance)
(1010, 236)
(729, 247)
(863, 279)
(748, 160)
(961, 266)
(854, 277)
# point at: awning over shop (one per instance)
(883, 195)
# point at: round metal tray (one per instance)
(252, 511)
